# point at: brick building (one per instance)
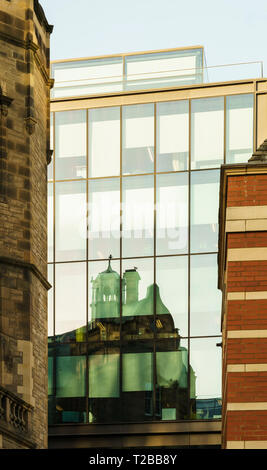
(243, 280)
(24, 154)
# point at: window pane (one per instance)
(104, 142)
(172, 136)
(104, 300)
(204, 210)
(70, 221)
(239, 128)
(104, 384)
(172, 279)
(70, 301)
(104, 218)
(50, 276)
(50, 167)
(138, 216)
(138, 139)
(207, 132)
(172, 380)
(172, 213)
(70, 384)
(205, 317)
(50, 222)
(205, 358)
(137, 372)
(70, 145)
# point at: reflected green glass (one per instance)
(207, 132)
(70, 374)
(138, 139)
(104, 142)
(204, 210)
(239, 128)
(70, 296)
(172, 213)
(205, 312)
(50, 375)
(137, 372)
(104, 375)
(172, 136)
(70, 145)
(70, 221)
(138, 216)
(172, 279)
(205, 358)
(172, 380)
(104, 218)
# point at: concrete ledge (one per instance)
(253, 406)
(247, 334)
(256, 295)
(247, 254)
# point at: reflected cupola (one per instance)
(106, 294)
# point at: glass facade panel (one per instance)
(172, 213)
(50, 222)
(50, 295)
(204, 211)
(172, 280)
(134, 301)
(138, 139)
(205, 358)
(104, 300)
(70, 221)
(104, 142)
(172, 136)
(172, 380)
(50, 167)
(70, 297)
(205, 312)
(104, 218)
(138, 216)
(239, 128)
(207, 132)
(70, 145)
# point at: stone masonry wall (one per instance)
(24, 149)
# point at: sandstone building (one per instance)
(24, 154)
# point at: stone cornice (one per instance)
(41, 17)
(29, 266)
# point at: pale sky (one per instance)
(230, 30)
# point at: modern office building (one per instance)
(133, 198)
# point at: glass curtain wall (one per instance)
(134, 313)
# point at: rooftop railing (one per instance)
(74, 78)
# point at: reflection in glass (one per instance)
(50, 167)
(104, 384)
(138, 216)
(104, 218)
(172, 381)
(70, 298)
(204, 210)
(172, 279)
(207, 132)
(50, 222)
(104, 142)
(70, 148)
(138, 139)
(172, 136)
(70, 384)
(50, 302)
(70, 221)
(239, 128)
(205, 358)
(172, 213)
(205, 297)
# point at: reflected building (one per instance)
(121, 378)
(138, 143)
